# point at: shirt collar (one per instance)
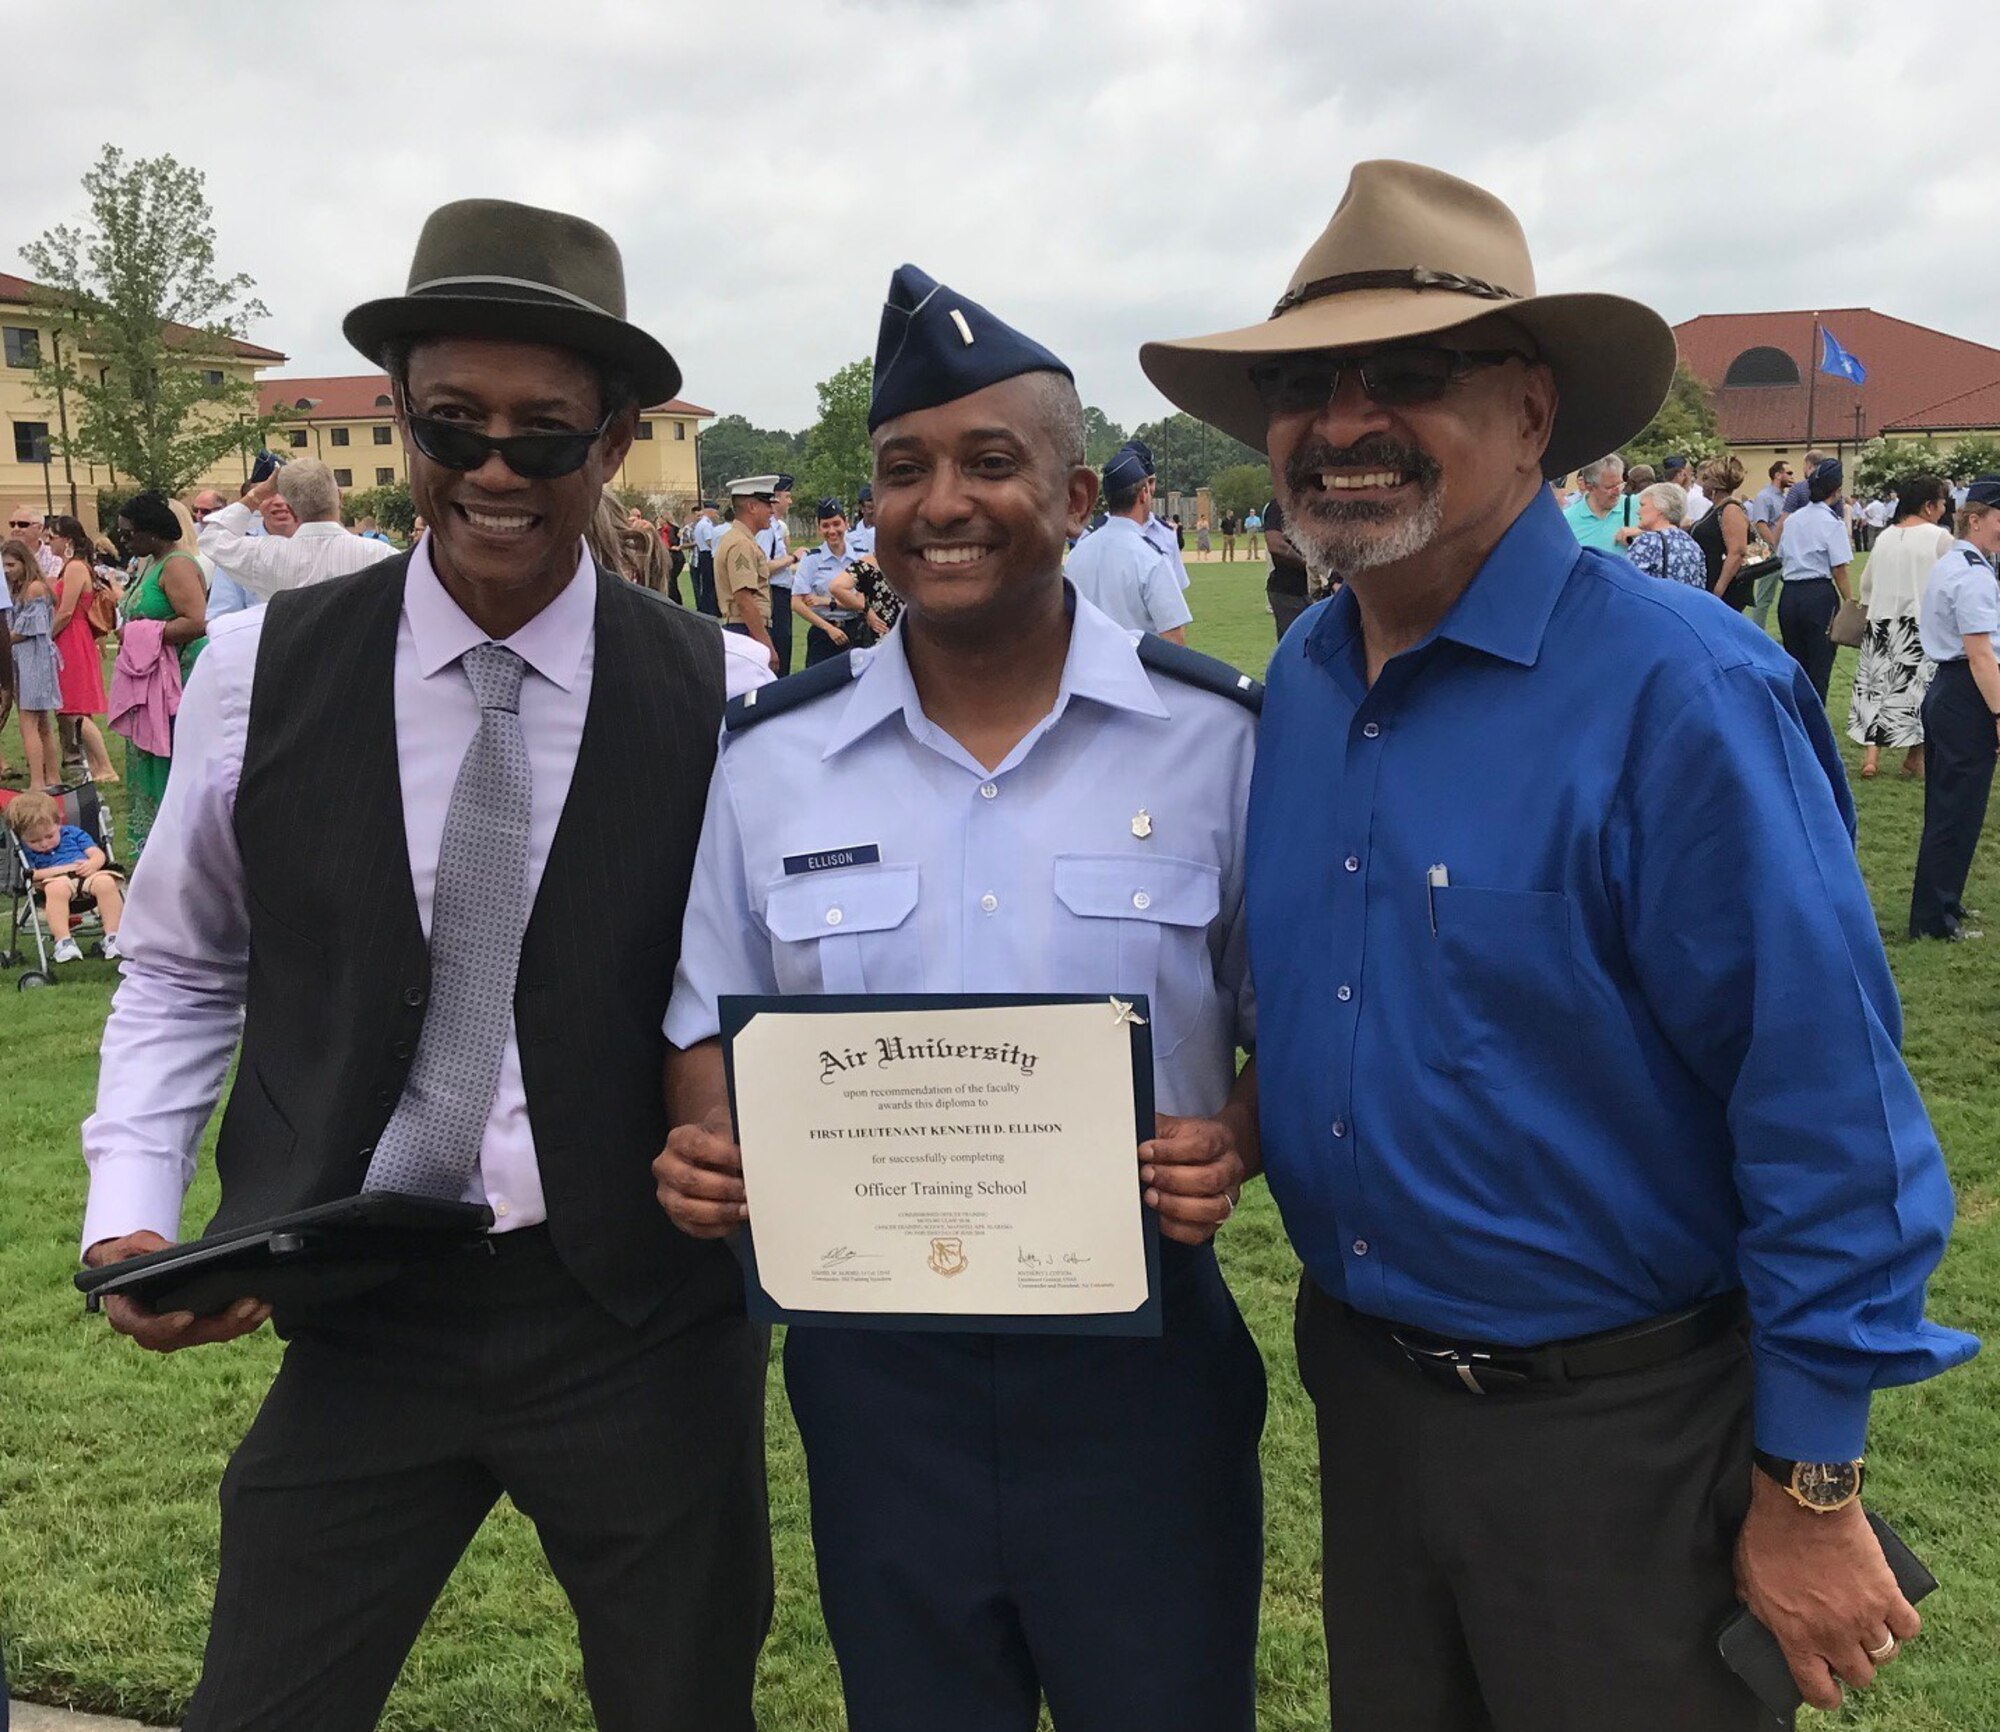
(552, 643)
(1504, 611)
(320, 529)
(1102, 665)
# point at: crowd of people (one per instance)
(1806, 531)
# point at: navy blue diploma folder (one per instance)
(737, 1013)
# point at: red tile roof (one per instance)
(354, 397)
(1919, 380)
(18, 291)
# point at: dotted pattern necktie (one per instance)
(479, 912)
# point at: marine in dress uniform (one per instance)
(1547, 1118)
(1003, 1518)
(1120, 568)
(1960, 614)
(742, 572)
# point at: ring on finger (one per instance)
(1885, 1652)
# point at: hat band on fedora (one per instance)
(1417, 277)
(545, 290)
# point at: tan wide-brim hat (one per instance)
(1414, 252)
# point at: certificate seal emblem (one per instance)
(948, 1257)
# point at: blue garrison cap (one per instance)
(1130, 464)
(831, 507)
(1984, 491)
(784, 484)
(1825, 480)
(867, 493)
(936, 346)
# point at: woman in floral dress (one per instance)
(1890, 680)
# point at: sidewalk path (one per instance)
(29, 1717)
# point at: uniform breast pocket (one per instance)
(1140, 924)
(847, 931)
(1502, 991)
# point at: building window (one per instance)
(381, 435)
(383, 477)
(680, 430)
(297, 436)
(1762, 366)
(343, 477)
(31, 442)
(645, 430)
(212, 378)
(24, 346)
(385, 401)
(338, 436)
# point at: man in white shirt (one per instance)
(1680, 472)
(319, 548)
(382, 859)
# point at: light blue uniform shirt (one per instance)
(819, 568)
(1160, 533)
(226, 595)
(1033, 877)
(1120, 571)
(1813, 543)
(861, 540)
(774, 541)
(1962, 595)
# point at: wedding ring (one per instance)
(1883, 1652)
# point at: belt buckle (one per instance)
(1464, 1364)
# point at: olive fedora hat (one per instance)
(485, 267)
(1412, 252)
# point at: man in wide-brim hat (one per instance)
(1577, 1042)
(385, 854)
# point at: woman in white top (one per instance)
(1890, 680)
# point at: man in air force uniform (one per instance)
(1119, 568)
(1032, 802)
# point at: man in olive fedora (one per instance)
(1580, 1087)
(385, 856)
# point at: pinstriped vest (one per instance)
(339, 971)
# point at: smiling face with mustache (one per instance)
(1373, 488)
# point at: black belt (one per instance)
(1483, 1369)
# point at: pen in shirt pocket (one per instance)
(1436, 879)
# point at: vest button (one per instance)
(401, 1049)
(413, 996)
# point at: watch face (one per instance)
(1826, 1484)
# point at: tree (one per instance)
(731, 447)
(1186, 452)
(1974, 455)
(1685, 424)
(837, 456)
(1101, 436)
(1884, 464)
(391, 506)
(140, 317)
(1242, 488)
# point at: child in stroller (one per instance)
(67, 869)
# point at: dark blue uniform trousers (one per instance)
(1960, 747)
(999, 1517)
(781, 626)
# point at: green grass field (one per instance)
(109, 1458)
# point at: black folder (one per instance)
(333, 1251)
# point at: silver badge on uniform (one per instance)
(1142, 824)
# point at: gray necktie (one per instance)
(479, 912)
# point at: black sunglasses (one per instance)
(1395, 378)
(532, 456)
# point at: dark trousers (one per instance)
(1806, 607)
(399, 1419)
(1001, 1517)
(820, 647)
(1530, 1562)
(1960, 746)
(781, 628)
(704, 584)
(1286, 606)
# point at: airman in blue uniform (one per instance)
(1022, 798)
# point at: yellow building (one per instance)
(32, 470)
(348, 423)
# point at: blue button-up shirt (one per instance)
(1104, 855)
(1961, 596)
(1640, 1047)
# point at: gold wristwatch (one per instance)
(1820, 1486)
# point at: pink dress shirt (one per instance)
(178, 1012)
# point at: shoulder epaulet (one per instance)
(1971, 558)
(1193, 668)
(788, 693)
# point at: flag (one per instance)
(1837, 361)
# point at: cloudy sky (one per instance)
(1096, 173)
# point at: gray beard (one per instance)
(1357, 543)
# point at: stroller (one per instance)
(82, 807)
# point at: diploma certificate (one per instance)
(946, 1162)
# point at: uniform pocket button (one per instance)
(1141, 900)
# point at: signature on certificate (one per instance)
(844, 1254)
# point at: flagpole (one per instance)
(1812, 381)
